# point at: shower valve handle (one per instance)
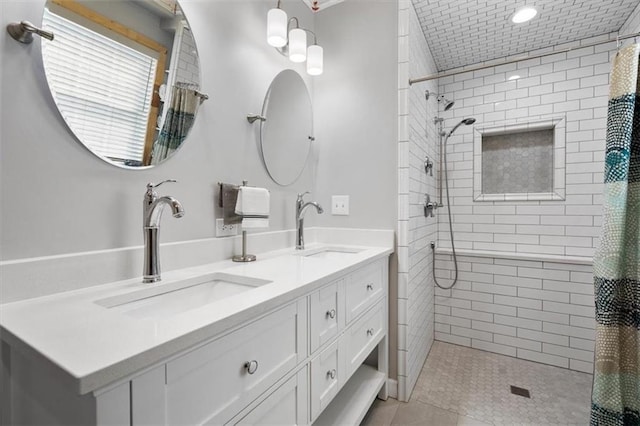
(429, 207)
(428, 166)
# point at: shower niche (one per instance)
(520, 161)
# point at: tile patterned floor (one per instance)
(464, 386)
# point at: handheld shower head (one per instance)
(466, 121)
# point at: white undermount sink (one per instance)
(330, 252)
(164, 300)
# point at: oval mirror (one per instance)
(287, 132)
(124, 75)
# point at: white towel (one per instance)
(253, 205)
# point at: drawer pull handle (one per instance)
(370, 332)
(331, 314)
(369, 286)
(251, 366)
(331, 373)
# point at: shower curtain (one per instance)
(616, 383)
(178, 122)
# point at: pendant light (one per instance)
(314, 60)
(297, 44)
(277, 27)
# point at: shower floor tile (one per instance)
(476, 386)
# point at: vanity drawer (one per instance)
(362, 337)
(286, 406)
(214, 382)
(363, 288)
(326, 378)
(326, 314)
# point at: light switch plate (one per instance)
(340, 205)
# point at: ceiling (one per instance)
(464, 32)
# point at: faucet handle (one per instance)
(301, 196)
(151, 195)
(151, 185)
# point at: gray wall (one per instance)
(58, 198)
(356, 99)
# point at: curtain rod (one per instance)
(511, 61)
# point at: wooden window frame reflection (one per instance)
(161, 50)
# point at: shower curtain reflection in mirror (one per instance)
(177, 123)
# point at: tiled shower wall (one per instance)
(417, 140)
(570, 85)
(632, 25)
(532, 309)
(188, 70)
(535, 300)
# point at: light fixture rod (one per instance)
(513, 61)
(315, 39)
(293, 18)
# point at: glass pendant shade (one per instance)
(297, 45)
(277, 27)
(314, 60)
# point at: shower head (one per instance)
(466, 121)
(441, 99)
(446, 102)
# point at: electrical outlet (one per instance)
(223, 230)
(340, 205)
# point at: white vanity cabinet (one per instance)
(318, 359)
(362, 324)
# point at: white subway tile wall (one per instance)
(188, 70)
(416, 140)
(632, 25)
(536, 310)
(574, 85)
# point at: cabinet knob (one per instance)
(251, 366)
(369, 286)
(370, 332)
(331, 314)
(331, 373)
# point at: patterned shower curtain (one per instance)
(178, 122)
(616, 382)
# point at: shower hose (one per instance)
(453, 247)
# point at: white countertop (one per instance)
(97, 346)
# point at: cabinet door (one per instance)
(214, 382)
(285, 406)
(326, 378)
(326, 315)
(363, 288)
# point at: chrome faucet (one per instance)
(151, 212)
(301, 208)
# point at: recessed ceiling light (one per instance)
(514, 77)
(524, 14)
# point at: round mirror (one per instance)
(125, 76)
(287, 131)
